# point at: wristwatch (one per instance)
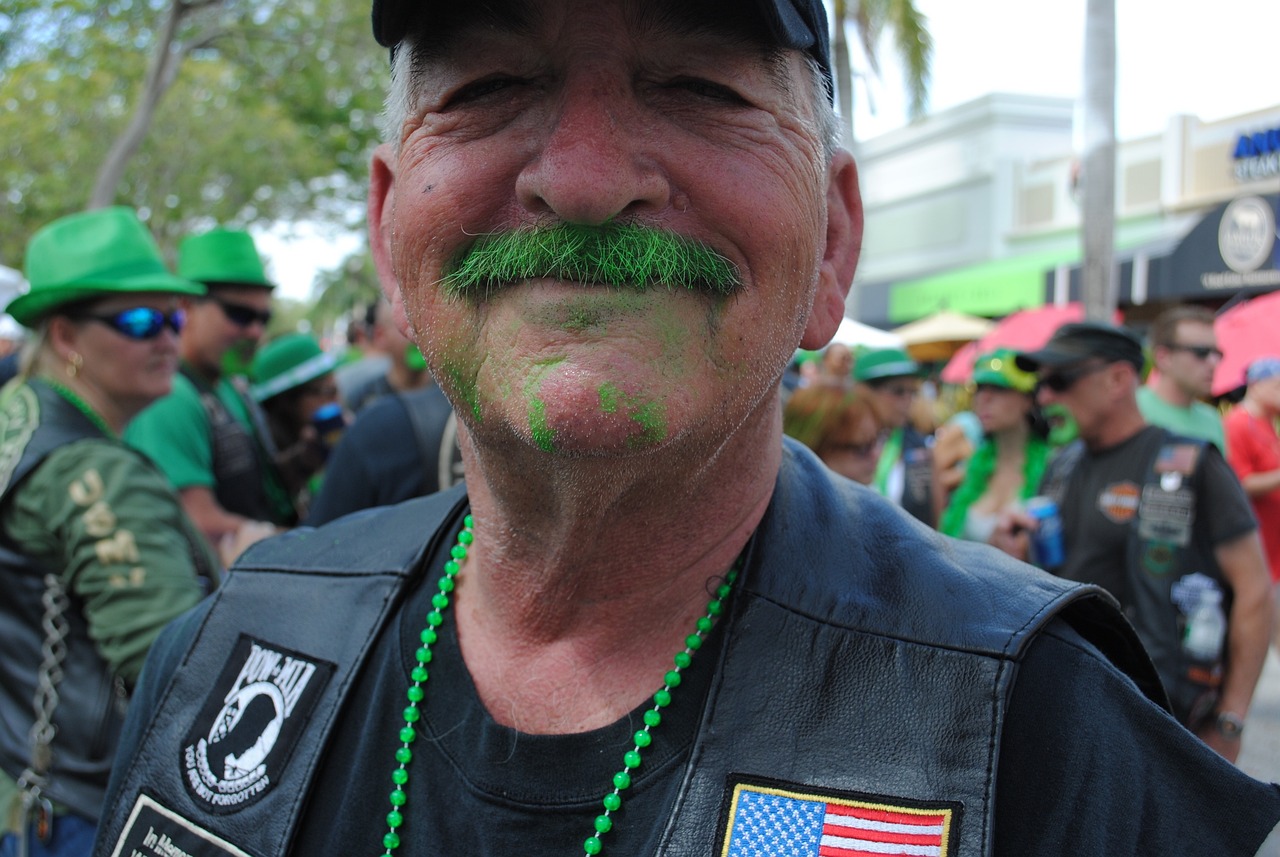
(1229, 725)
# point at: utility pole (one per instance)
(1098, 176)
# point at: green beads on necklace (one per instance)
(416, 694)
(653, 716)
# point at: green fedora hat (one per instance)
(92, 254)
(222, 256)
(286, 362)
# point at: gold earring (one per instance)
(74, 362)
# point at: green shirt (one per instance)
(1200, 420)
(174, 433)
(104, 516)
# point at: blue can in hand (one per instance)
(1047, 548)
(330, 422)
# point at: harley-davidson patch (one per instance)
(241, 741)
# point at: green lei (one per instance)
(978, 474)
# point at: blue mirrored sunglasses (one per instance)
(140, 322)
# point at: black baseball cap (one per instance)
(797, 24)
(1081, 340)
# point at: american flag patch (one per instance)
(764, 820)
(1177, 458)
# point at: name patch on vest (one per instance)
(791, 820)
(241, 741)
(154, 831)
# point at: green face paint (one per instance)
(609, 395)
(618, 255)
(649, 416)
(543, 435)
(463, 384)
(652, 419)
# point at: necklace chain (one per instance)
(419, 674)
(80, 404)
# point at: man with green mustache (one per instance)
(646, 624)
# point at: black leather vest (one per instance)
(863, 654)
(1166, 547)
(237, 468)
(91, 705)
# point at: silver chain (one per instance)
(53, 651)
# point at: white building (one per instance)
(974, 209)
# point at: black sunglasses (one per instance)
(140, 322)
(241, 315)
(1061, 380)
(1200, 352)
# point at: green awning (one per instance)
(990, 289)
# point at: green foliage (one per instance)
(911, 41)
(351, 286)
(271, 117)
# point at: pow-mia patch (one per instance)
(241, 741)
(790, 820)
(154, 831)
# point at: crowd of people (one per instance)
(1156, 496)
(646, 622)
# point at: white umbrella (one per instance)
(855, 333)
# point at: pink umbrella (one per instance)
(1245, 332)
(1024, 330)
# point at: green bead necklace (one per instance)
(418, 676)
(80, 405)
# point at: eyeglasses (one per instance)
(1200, 352)
(1061, 380)
(241, 315)
(140, 323)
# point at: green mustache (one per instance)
(618, 255)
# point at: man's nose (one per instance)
(592, 165)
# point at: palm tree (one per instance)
(1098, 178)
(912, 42)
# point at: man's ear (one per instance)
(840, 256)
(381, 202)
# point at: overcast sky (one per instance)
(1217, 62)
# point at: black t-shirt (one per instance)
(1102, 498)
(480, 788)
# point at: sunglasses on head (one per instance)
(241, 315)
(1061, 380)
(1200, 352)
(139, 322)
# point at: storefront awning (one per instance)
(1233, 249)
(990, 289)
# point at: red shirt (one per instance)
(1253, 447)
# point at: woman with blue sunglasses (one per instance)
(96, 555)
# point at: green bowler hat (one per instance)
(999, 369)
(884, 363)
(286, 362)
(222, 256)
(92, 254)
